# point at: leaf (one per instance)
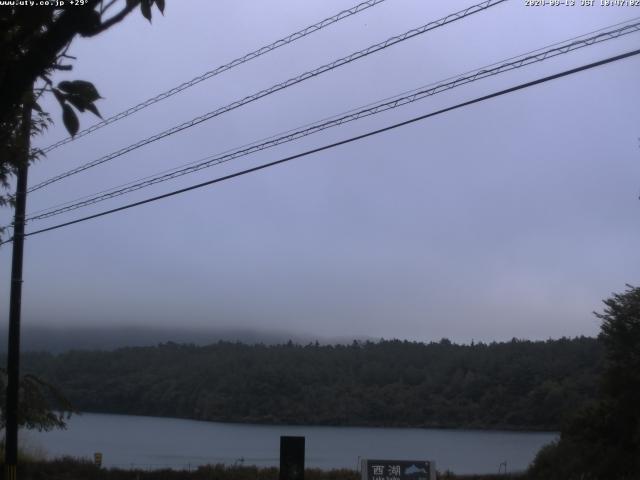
(145, 8)
(160, 4)
(77, 101)
(93, 109)
(84, 89)
(65, 86)
(70, 119)
(89, 23)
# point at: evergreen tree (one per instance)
(602, 442)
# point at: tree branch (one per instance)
(106, 7)
(117, 18)
(44, 50)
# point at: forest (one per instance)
(519, 384)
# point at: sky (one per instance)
(514, 217)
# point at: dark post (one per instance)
(13, 356)
(291, 458)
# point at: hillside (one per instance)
(514, 385)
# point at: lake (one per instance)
(148, 442)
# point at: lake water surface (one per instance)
(149, 442)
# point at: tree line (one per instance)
(510, 385)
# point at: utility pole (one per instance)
(13, 356)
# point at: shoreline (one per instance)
(501, 429)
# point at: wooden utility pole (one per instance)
(13, 356)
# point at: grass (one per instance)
(68, 468)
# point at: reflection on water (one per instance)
(149, 442)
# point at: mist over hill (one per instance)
(58, 339)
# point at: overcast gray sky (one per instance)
(510, 218)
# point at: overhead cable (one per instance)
(218, 70)
(275, 88)
(521, 86)
(373, 109)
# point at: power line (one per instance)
(271, 137)
(280, 86)
(218, 70)
(341, 142)
(376, 108)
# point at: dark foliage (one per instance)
(74, 469)
(602, 442)
(514, 385)
(41, 406)
(34, 41)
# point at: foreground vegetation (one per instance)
(602, 440)
(73, 469)
(512, 385)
